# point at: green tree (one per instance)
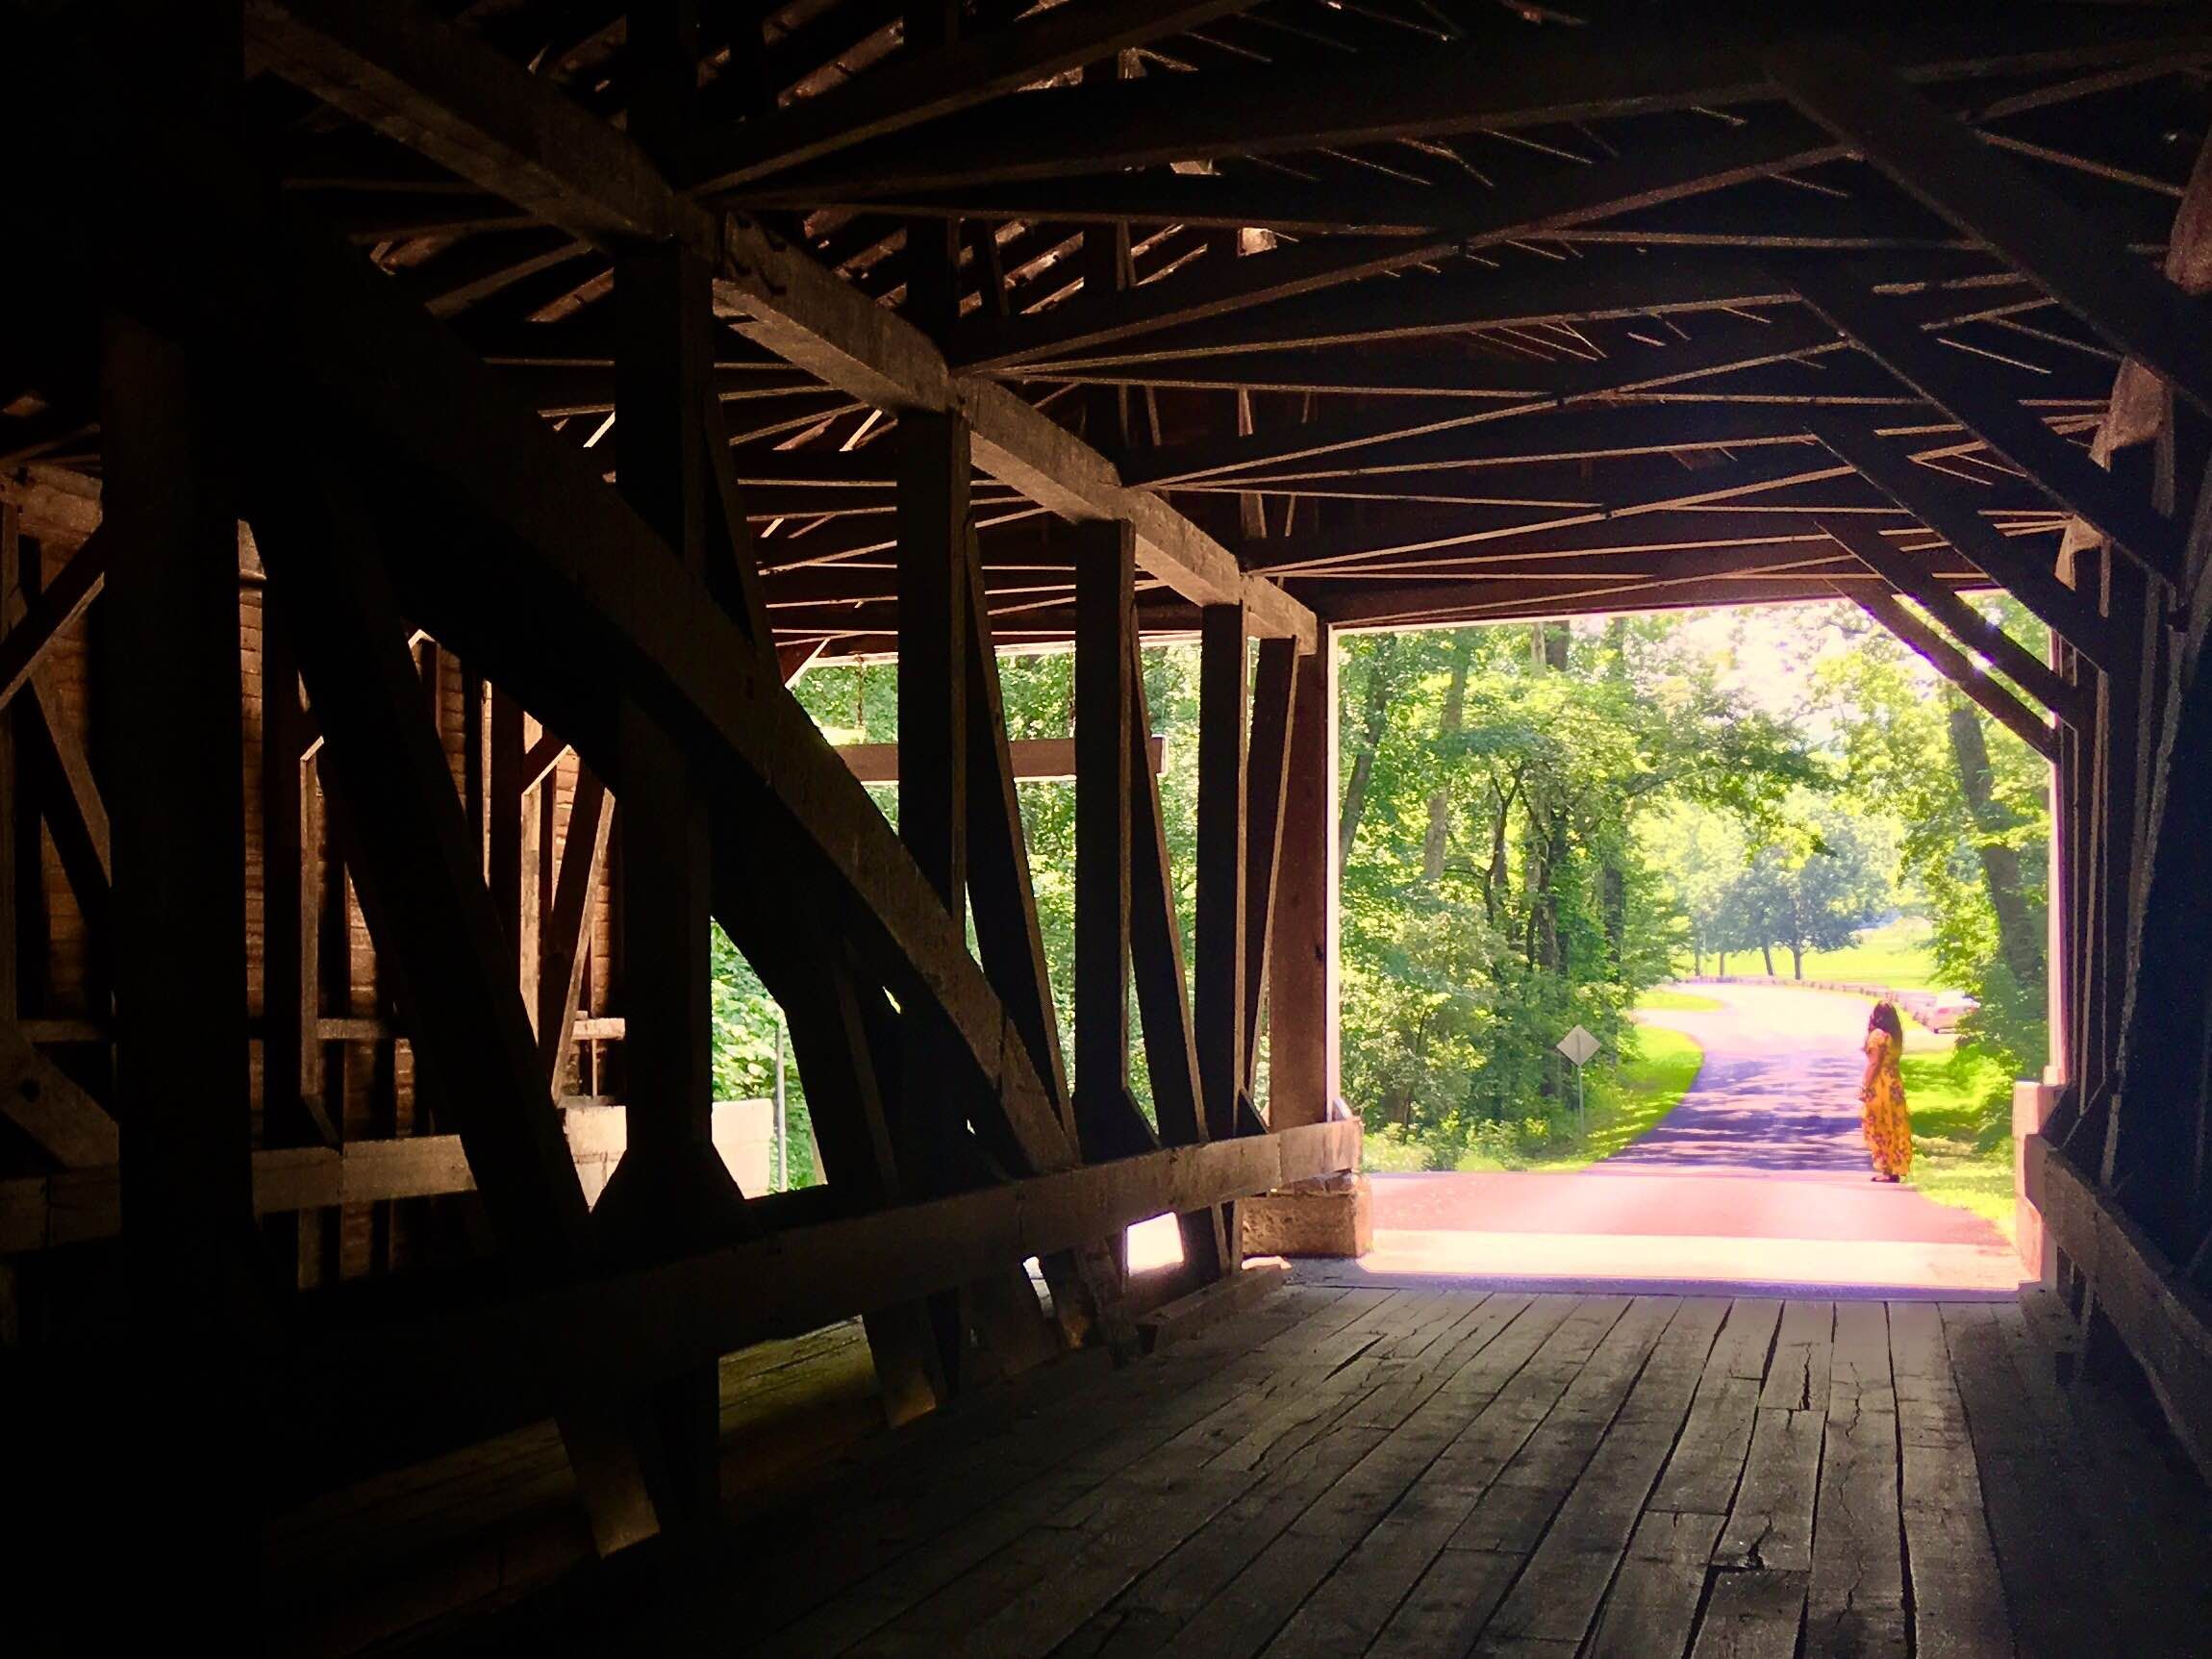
(1974, 804)
(1813, 889)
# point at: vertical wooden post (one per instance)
(2059, 1067)
(178, 829)
(933, 620)
(671, 1189)
(932, 244)
(1302, 962)
(26, 899)
(284, 1033)
(1105, 583)
(11, 944)
(503, 820)
(11, 937)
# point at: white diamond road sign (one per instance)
(1578, 1045)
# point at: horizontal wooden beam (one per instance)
(445, 93)
(1036, 760)
(1796, 332)
(1446, 539)
(1606, 286)
(926, 86)
(1722, 574)
(2164, 1321)
(2002, 204)
(1956, 667)
(627, 1329)
(1506, 78)
(76, 1205)
(1569, 196)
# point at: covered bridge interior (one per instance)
(433, 437)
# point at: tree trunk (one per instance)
(1543, 904)
(1432, 847)
(1697, 960)
(1614, 892)
(1797, 962)
(2018, 939)
(1374, 722)
(1723, 969)
(1767, 952)
(1554, 637)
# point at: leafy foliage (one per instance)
(1537, 823)
(1496, 890)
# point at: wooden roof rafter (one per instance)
(462, 104)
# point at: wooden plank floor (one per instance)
(1439, 1473)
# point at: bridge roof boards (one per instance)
(1416, 311)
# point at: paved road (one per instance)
(1759, 1176)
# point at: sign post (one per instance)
(1578, 1045)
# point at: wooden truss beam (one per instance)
(1912, 575)
(926, 86)
(613, 598)
(2001, 204)
(1543, 77)
(1945, 509)
(1605, 287)
(2164, 1319)
(1105, 661)
(1572, 196)
(568, 930)
(1796, 333)
(447, 94)
(2064, 472)
(1302, 1026)
(1678, 576)
(1029, 760)
(1171, 1055)
(673, 1314)
(1217, 1001)
(46, 1102)
(1001, 895)
(58, 604)
(1449, 543)
(1274, 707)
(422, 889)
(1956, 667)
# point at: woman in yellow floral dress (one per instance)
(1888, 1124)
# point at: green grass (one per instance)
(1660, 999)
(1647, 1087)
(1896, 957)
(1962, 1131)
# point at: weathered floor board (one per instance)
(1439, 1473)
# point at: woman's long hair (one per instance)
(1884, 1018)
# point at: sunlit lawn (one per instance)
(1962, 1131)
(1645, 1089)
(1896, 957)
